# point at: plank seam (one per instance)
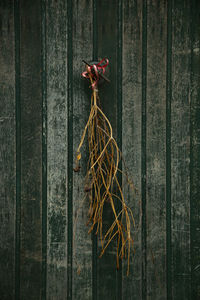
(194, 138)
(191, 145)
(44, 151)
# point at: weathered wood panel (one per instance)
(31, 150)
(18, 150)
(82, 242)
(143, 149)
(108, 279)
(155, 147)
(195, 150)
(168, 149)
(70, 148)
(153, 104)
(57, 151)
(180, 150)
(7, 151)
(131, 135)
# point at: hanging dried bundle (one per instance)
(102, 181)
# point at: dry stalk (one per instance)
(102, 181)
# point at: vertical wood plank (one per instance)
(107, 24)
(168, 149)
(180, 150)
(31, 151)
(7, 151)
(18, 148)
(57, 155)
(143, 148)
(70, 148)
(156, 117)
(69, 273)
(82, 243)
(131, 135)
(195, 150)
(44, 148)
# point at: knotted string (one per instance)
(93, 72)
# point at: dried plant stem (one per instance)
(102, 179)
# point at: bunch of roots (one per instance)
(103, 184)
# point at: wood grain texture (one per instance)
(107, 18)
(7, 151)
(195, 150)
(31, 151)
(180, 150)
(70, 148)
(131, 136)
(82, 243)
(143, 149)
(168, 150)
(153, 105)
(57, 152)
(18, 149)
(156, 123)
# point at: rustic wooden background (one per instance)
(153, 103)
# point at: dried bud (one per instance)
(87, 189)
(77, 169)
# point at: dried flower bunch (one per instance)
(102, 181)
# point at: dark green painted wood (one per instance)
(195, 150)
(70, 148)
(180, 150)
(131, 135)
(153, 104)
(31, 151)
(155, 146)
(107, 23)
(143, 149)
(168, 149)
(82, 242)
(7, 151)
(44, 150)
(57, 151)
(18, 149)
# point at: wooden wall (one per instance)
(153, 102)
